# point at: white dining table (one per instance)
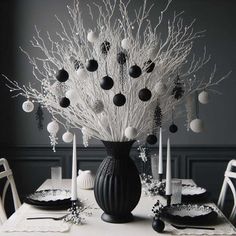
(94, 226)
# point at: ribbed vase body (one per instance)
(117, 186)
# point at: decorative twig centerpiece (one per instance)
(118, 82)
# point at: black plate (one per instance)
(59, 204)
(206, 214)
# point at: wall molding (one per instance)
(205, 164)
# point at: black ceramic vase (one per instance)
(117, 186)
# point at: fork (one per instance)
(192, 227)
(47, 217)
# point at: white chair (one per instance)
(229, 174)
(7, 173)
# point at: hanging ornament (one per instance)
(107, 82)
(130, 132)
(197, 125)
(77, 64)
(153, 52)
(173, 128)
(178, 90)
(149, 66)
(203, 97)
(151, 139)
(27, 106)
(86, 136)
(157, 119)
(53, 127)
(92, 65)
(135, 71)
(72, 96)
(65, 102)
(160, 88)
(62, 75)
(119, 99)
(39, 117)
(145, 94)
(82, 73)
(92, 36)
(125, 43)
(67, 137)
(121, 58)
(105, 47)
(98, 106)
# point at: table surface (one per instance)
(94, 226)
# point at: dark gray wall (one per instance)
(217, 16)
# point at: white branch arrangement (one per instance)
(167, 65)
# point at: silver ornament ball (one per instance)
(53, 127)
(197, 125)
(131, 132)
(203, 97)
(67, 137)
(98, 106)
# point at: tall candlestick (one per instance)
(168, 170)
(74, 173)
(160, 163)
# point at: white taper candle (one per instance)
(160, 159)
(168, 170)
(74, 172)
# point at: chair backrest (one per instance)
(229, 174)
(7, 173)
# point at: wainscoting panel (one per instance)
(31, 165)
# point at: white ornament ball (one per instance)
(160, 88)
(72, 96)
(125, 43)
(131, 132)
(197, 125)
(153, 52)
(98, 106)
(92, 36)
(28, 106)
(203, 97)
(53, 127)
(81, 72)
(67, 137)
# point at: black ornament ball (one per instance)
(144, 94)
(158, 225)
(62, 75)
(119, 99)
(151, 139)
(65, 102)
(105, 47)
(92, 65)
(135, 71)
(107, 82)
(173, 128)
(121, 58)
(149, 66)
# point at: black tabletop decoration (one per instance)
(107, 82)
(135, 71)
(178, 90)
(92, 65)
(64, 102)
(151, 139)
(149, 66)
(158, 225)
(119, 99)
(105, 47)
(144, 94)
(173, 128)
(62, 75)
(121, 58)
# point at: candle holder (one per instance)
(168, 198)
(160, 177)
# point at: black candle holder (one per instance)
(168, 198)
(160, 177)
